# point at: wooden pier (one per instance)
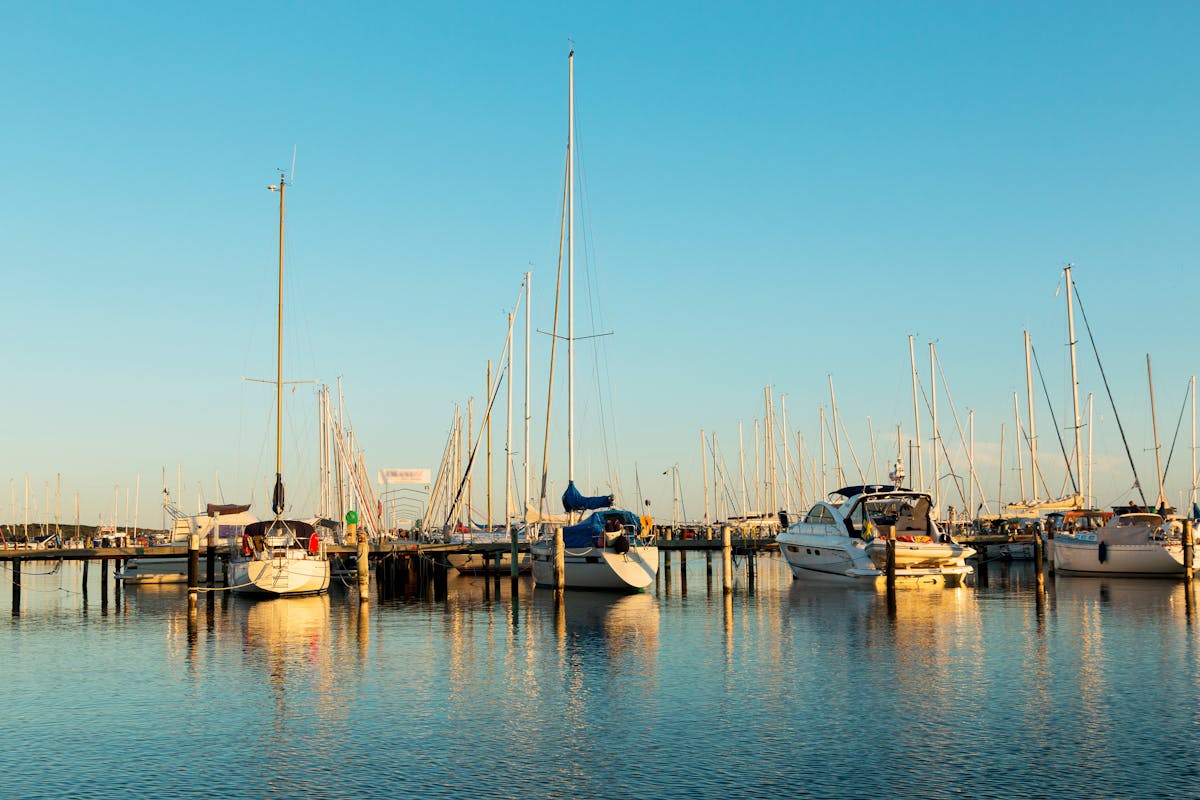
(403, 568)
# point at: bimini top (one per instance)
(871, 488)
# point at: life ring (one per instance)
(647, 524)
(246, 550)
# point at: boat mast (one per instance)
(1194, 474)
(508, 463)
(1162, 498)
(277, 499)
(1017, 442)
(838, 476)
(571, 266)
(1033, 472)
(1074, 389)
(912, 360)
(742, 462)
(704, 477)
(933, 409)
(971, 459)
(787, 459)
(528, 418)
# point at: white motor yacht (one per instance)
(844, 539)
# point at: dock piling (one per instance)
(1189, 546)
(726, 560)
(16, 590)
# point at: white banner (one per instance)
(404, 476)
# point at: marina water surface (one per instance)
(781, 690)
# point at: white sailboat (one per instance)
(279, 557)
(605, 549)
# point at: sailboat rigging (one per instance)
(605, 549)
(280, 557)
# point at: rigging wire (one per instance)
(1054, 419)
(1087, 326)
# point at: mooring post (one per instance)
(16, 594)
(683, 571)
(514, 567)
(193, 568)
(890, 564)
(1188, 550)
(667, 568)
(210, 552)
(726, 560)
(1039, 562)
(560, 572)
(364, 569)
(104, 582)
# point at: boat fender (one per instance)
(620, 544)
(1102, 550)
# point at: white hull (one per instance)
(296, 573)
(595, 568)
(823, 558)
(1082, 557)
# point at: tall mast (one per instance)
(742, 460)
(912, 360)
(1074, 385)
(277, 500)
(838, 477)
(571, 266)
(525, 454)
(508, 524)
(1033, 472)
(933, 409)
(1162, 498)
(704, 477)
(1017, 441)
(787, 459)
(1194, 440)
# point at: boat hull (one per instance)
(821, 558)
(280, 576)
(596, 568)
(1083, 557)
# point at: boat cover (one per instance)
(226, 510)
(574, 501)
(586, 532)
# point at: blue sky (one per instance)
(774, 193)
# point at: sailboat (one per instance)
(279, 557)
(605, 549)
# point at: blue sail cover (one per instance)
(574, 501)
(590, 531)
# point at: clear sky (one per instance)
(774, 193)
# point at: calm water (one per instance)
(784, 692)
